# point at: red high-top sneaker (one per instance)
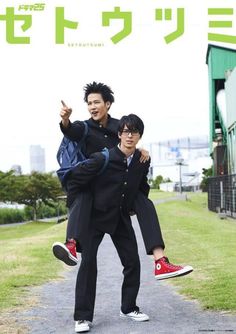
(164, 269)
(66, 252)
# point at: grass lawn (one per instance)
(26, 258)
(196, 236)
(156, 194)
(192, 234)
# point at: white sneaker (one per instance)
(135, 315)
(82, 326)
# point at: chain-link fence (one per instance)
(222, 194)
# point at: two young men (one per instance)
(102, 133)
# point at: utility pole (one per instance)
(180, 163)
(151, 155)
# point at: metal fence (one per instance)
(222, 194)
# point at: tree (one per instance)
(155, 184)
(38, 188)
(8, 186)
(207, 172)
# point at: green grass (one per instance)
(192, 234)
(156, 194)
(26, 258)
(195, 236)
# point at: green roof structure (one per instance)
(220, 61)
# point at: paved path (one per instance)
(51, 219)
(169, 312)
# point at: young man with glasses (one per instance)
(114, 192)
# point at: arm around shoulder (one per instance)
(144, 185)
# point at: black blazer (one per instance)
(114, 190)
(98, 136)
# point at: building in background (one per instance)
(37, 159)
(181, 160)
(221, 63)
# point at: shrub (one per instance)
(8, 216)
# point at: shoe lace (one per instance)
(170, 264)
(71, 245)
(137, 312)
(70, 242)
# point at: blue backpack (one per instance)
(70, 154)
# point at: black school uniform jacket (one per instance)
(98, 136)
(114, 190)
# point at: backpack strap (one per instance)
(85, 130)
(80, 144)
(81, 141)
(105, 153)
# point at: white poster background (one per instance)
(165, 84)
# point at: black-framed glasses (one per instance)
(134, 132)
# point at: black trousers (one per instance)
(125, 242)
(80, 213)
(79, 218)
(148, 222)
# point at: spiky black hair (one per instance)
(99, 88)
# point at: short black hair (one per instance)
(133, 123)
(99, 88)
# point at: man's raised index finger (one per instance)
(63, 103)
